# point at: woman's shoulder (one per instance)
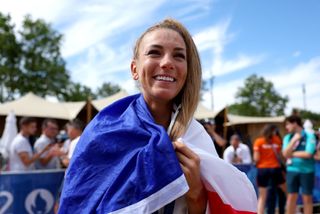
(259, 141)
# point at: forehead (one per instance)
(234, 138)
(31, 124)
(163, 37)
(51, 124)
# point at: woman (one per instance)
(135, 156)
(267, 155)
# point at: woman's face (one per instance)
(161, 65)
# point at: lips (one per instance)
(164, 78)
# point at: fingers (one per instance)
(183, 149)
(190, 165)
(189, 161)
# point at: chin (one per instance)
(165, 95)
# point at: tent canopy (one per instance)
(34, 106)
(236, 120)
(101, 103)
(202, 112)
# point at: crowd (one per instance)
(52, 150)
(285, 166)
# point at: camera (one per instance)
(207, 121)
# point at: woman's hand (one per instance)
(190, 163)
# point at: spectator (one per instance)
(237, 152)
(21, 155)
(317, 155)
(299, 147)
(49, 159)
(218, 141)
(266, 149)
(74, 130)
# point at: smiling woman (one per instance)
(146, 153)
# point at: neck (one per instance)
(161, 112)
(24, 134)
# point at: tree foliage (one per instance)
(313, 116)
(31, 61)
(258, 97)
(77, 92)
(106, 90)
(43, 67)
(10, 54)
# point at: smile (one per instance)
(164, 78)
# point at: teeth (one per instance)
(164, 78)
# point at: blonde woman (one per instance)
(141, 154)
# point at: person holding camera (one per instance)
(218, 141)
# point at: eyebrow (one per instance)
(161, 47)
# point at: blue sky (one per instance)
(279, 40)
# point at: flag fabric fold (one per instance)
(125, 163)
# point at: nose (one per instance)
(167, 62)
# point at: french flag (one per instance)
(125, 163)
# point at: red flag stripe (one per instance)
(217, 206)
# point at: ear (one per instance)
(134, 71)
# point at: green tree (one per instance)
(313, 116)
(34, 63)
(10, 54)
(107, 89)
(42, 65)
(258, 97)
(77, 92)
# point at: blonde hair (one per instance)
(189, 95)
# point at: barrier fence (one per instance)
(36, 192)
(251, 172)
(32, 192)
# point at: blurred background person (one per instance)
(317, 155)
(299, 148)
(219, 142)
(237, 152)
(49, 159)
(266, 149)
(21, 156)
(74, 131)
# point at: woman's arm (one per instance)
(256, 156)
(190, 163)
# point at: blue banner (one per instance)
(251, 172)
(32, 192)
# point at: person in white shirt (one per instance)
(74, 130)
(237, 152)
(21, 156)
(49, 159)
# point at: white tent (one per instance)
(10, 131)
(236, 120)
(101, 103)
(202, 112)
(35, 106)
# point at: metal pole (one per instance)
(304, 97)
(211, 90)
